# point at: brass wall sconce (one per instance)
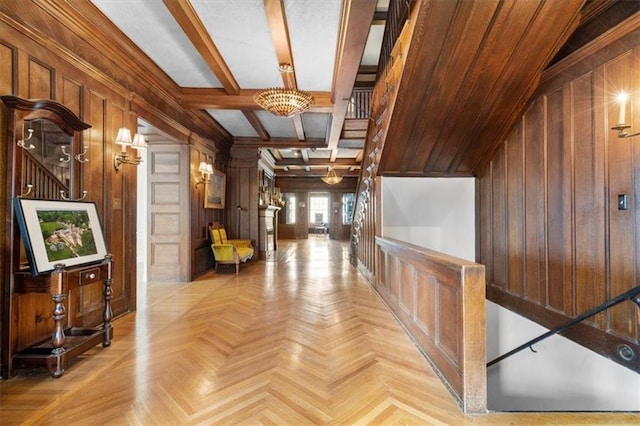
(124, 140)
(207, 170)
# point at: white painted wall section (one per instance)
(435, 213)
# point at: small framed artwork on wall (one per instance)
(215, 190)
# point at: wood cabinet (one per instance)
(45, 158)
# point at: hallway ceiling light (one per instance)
(331, 178)
(283, 101)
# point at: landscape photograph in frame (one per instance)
(59, 232)
(214, 190)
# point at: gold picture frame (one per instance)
(215, 189)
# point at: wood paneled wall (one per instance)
(69, 53)
(552, 237)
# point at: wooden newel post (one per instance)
(107, 294)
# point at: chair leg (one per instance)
(237, 268)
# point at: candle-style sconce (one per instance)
(207, 170)
(21, 143)
(622, 99)
(124, 140)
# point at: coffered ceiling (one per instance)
(221, 51)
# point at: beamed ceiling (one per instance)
(472, 66)
(220, 52)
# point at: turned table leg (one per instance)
(57, 340)
(108, 314)
(56, 366)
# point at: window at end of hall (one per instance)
(348, 207)
(290, 208)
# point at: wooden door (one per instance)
(168, 220)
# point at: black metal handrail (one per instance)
(633, 295)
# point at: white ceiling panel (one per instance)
(347, 153)
(277, 126)
(371, 53)
(320, 153)
(315, 124)
(242, 35)
(313, 29)
(234, 122)
(152, 28)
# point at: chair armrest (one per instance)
(223, 252)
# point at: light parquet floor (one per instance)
(300, 341)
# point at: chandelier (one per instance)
(283, 101)
(331, 178)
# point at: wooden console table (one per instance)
(66, 343)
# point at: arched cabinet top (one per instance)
(46, 108)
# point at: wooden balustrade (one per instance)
(440, 300)
(46, 185)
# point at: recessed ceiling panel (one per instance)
(348, 153)
(234, 122)
(241, 34)
(277, 126)
(320, 153)
(315, 124)
(313, 30)
(152, 28)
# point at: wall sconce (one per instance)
(622, 98)
(124, 139)
(207, 170)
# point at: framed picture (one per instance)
(59, 232)
(215, 189)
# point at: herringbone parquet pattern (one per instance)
(300, 341)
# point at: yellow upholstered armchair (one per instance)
(229, 251)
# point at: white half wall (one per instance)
(435, 213)
(560, 376)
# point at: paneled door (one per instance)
(168, 221)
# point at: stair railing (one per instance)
(632, 295)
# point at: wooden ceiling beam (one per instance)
(318, 162)
(212, 98)
(277, 20)
(188, 19)
(255, 122)
(280, 143)
(356, 19)
(313, 173)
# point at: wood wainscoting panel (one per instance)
(439, 299)
(7, 55)
(41, 80)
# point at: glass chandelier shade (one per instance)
(331, 178)
(283, 102)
